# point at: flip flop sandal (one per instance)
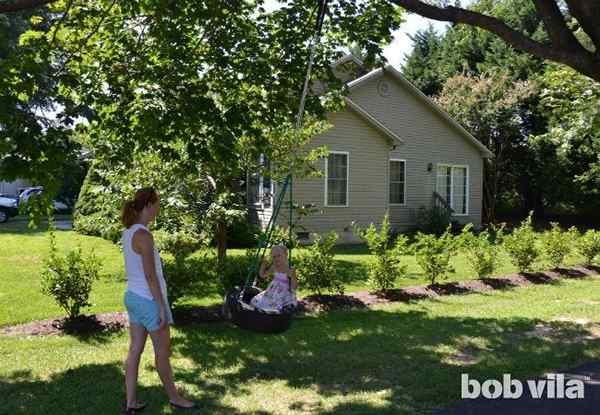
(138, 408)
(184, 408)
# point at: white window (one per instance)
(260, 188)
(397, 182)
(337, 171)
(453, 185)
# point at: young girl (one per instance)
(281, 292)
(146, 299)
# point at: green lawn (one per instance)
(393, 359)
(396, 359)
(23, 250)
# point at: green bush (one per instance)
(387, 266)
(558, 244)
(521, 246)
(316, 267)
(433, 220)
(69, 279)
(181, 275)
(433, 253)
(281, 236)
(588, 245)
(481, 253)
(243, 234)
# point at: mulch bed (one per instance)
(110, 322)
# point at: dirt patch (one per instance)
(190, 315)
(318, 303)
(566, 330)
(84, 325)
(466, 357)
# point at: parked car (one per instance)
(9, 206)
(30, 192)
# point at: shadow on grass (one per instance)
(88, 389)
(413, 361)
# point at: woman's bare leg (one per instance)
(161, 341)
(138, 335)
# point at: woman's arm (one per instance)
(143, 243)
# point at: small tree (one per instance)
(481, 252)
(68, 279)
(588, 245)
(179, 274)
(316, 267)
(521, 245)
(387, 267)
(434, 253)
(558, 244)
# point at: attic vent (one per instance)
(384, 89)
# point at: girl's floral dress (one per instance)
(277, 295)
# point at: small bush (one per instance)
(180, 275)
(433, 220)
(433, 253)
(69, 279)
(521, 246)
(280, 236)
(387, 266)
(558, 244)
(316, 267)
(481, 253)
(588, 246)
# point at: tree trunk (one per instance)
(221, 238)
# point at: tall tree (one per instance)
(421, 66)
(560, 18)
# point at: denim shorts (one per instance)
(144, 311)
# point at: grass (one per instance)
(394, 359)
(24, 250)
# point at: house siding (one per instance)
(367, 195)
(428, 138)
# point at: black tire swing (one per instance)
(236, 305)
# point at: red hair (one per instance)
(132, 208)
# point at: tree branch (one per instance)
(554, 22)
(588, 15)
(575, 56)
(18, 5)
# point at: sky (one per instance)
(396, 51)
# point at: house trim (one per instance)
(452, 185)
(347, 153)
(390, 183)
(373, 121)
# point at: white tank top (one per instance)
(136, 279)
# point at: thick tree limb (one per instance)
(568, 53)
(18, 5)
(556, 27)
(587, 14)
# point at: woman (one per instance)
(146, 299)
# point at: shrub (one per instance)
(281, 236)
(481, 253)
(387, 267)
(68, 279)
(521, 246)
(558, 244)
(433, 253)
(588, 245)
(180, 275)
(433, 220)
(316, 267)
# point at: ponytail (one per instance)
(132, 208)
